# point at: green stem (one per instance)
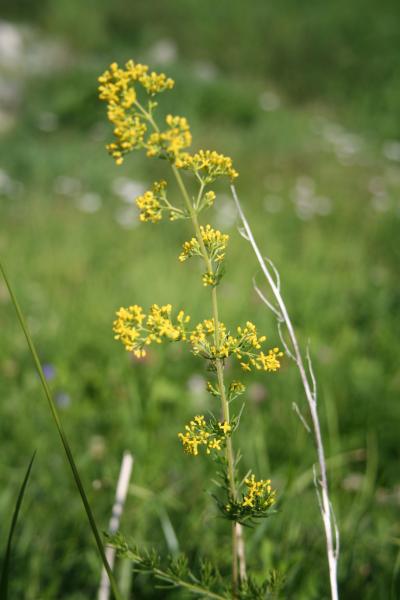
(147, 116)
(196, 589)
(193, 216)
(200, 194)
(219, 363)
(63, 437)
(229, 447)
(220, 374)
(168, 577)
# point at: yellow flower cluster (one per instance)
(130, 131)
(132, 120)
(248, 341)
(128, 324)
(137, 330)
(265, 362)
(209, 278)
(246, 345)
(149, 204)
(173, 140)
(236, 388)
(208, 164)
(215, 243)
(116, 81)
(208, 198)
(249, 333)
(153, 202)
(189, 249)
(259, 494)
(134, 127)
(200, 433)
(118, 90)
(202, 339)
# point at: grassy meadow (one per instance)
(309, 113)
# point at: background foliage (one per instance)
(306, 100)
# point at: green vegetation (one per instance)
(306, 103)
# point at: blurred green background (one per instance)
(306, 99)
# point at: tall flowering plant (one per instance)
(130, 94)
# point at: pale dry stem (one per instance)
(310, 390)
(118, 507)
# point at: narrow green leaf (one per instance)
(7, 557)
(63, 437)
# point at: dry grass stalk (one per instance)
(118, 507)
(310, 389)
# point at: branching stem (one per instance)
(177, 581)
(327, 514)
(220, 375)
(230, 458)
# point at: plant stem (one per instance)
(177, 581)
(196, 589)
(63, 437)
(310, 390)
(220, 375)
(219, 363)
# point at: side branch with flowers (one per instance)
(130, 95)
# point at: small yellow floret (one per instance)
(225, 427)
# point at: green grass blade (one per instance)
(63, 437)
(6, 562)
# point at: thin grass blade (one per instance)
(63, 437)
(4, 577)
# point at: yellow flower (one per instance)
(214, 445)
(190, 248)
(152, 203)
(130, 132)
(209, 279)
(215, 244)
(128, 324)
(115, 81)
(137, 330)
(207, 164)
(200, 433)
(172, 141)
(209, 198)
(249, 333)
(117, 88)
(247, 501)
(259, 493)
(154, 83)
(149, 206)
(225, 427)
(236, 388)
(270, 361)
(160, 324)
(202, 338)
